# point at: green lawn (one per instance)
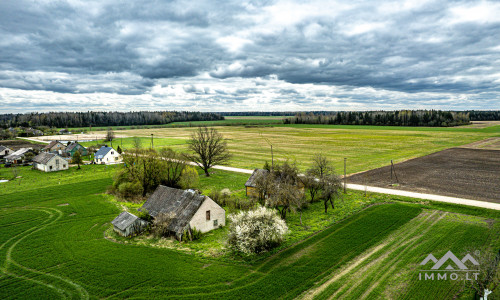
(52, 246)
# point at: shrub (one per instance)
(144, 214)
(189, 178)
(130, 189)
(256, 231)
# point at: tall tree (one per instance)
(110, 135)
(209, 149)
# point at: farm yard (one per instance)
(457, 172)
(56, 240)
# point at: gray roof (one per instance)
(73, 145)
(18, 154)
(3, 148)
(180, 204)
(102, 152)
(44, 158)
(124, 220)
(257, 172)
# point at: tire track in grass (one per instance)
(10, 261)
(359, 260)
(394, 242)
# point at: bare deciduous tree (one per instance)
(330, 189)
(285, 193)
(110, 135)
(489, 275)
(209, 149)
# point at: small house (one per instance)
(49, 162)
(73, 147)
(127, 224)
(18, 156)
(107, 155)
(54, 146)
(4, 151)
(187, 210)
(250, 185)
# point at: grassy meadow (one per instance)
(365, 147)
(53, 245)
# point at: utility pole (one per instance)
(152, 146)
(345, 172)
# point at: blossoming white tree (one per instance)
(256, 231)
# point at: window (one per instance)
(64, 166)
(112, 152)
(208, 215)
(50, 168)
(216, 223)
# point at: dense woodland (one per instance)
(86, 119)
(432, 118)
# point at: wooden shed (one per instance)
(127, 224)
(251, 191)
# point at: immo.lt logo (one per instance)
(449, 267)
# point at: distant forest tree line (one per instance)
(431, 118)
(86, 119)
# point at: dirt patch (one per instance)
(455, 172)
(487, 144)
(18, 144)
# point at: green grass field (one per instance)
(365, 147)
(52, 246)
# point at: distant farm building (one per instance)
(54, 146)
(49, 162)
(250, 185)
(18, 156)
(127, 224)
(73, 147)
(107, 155)
(4, 151)
(187, 210)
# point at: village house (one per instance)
(18, 156)
(49, 162)
(187, 209)
(127, 224)
(75, 146)
(251, 190)
(54, 146)
(107, 155)
(4, 151)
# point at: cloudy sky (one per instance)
(248, 56)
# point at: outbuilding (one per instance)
(107, 155)
(54, 146)
(49, 162)
(18, 156)
(75, 146)
(4, 151)
(127, 224)
(250, 185)
(187, 209)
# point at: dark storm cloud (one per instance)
(404, 47)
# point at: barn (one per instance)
(187, 208)
(127, 224)
(49, 162)
(251, 191)
(4, 151)
(18, 156)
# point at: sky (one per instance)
(214, 55)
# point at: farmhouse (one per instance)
(54, 146)
(4, 151)
(18, 156)
(49, 162)
(251, 191)
(127, 224)
(73, 147)
(107, 155)
(187, 208)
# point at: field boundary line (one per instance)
(439, 198)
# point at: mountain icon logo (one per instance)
(460, 264)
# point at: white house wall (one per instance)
(199, 220)
(63, 165)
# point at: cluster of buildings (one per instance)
(56, 156)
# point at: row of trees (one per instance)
(91, 118)
(432, 118)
